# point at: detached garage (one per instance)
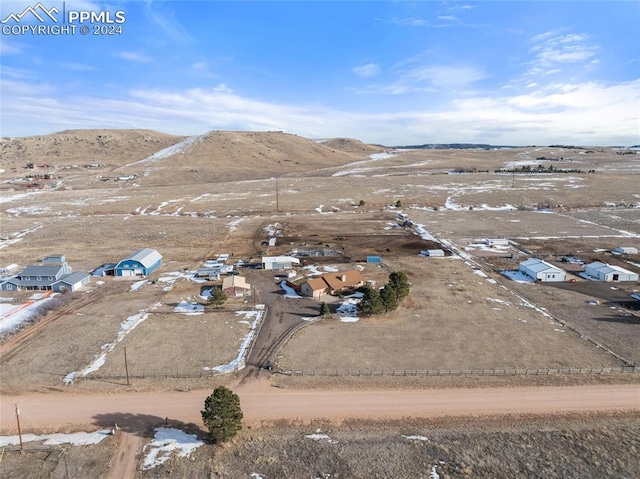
(606, 272)
(141, 263)
(542, 271)
(279, 262)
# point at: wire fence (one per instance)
(205, 374)
(462, 372)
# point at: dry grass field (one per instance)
(193, 198)
(109, 192)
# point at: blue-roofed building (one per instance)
(140, 263)
(51, 274)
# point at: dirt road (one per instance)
(260, 401)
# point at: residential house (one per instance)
(332, 283)
(53, 273)
(236, 286)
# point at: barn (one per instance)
(625, 250)
(606, 272)
(541, 271)
(279, 262)
(140, 263)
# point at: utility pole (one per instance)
(126, 366)
(18, 421)
(277, 196)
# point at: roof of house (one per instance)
(42, 270)
(147, 257)
(73, 278)
(317, 284)
(235, 282)
(538, 266)
(337, 281)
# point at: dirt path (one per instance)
(261, 402)
(125, 465)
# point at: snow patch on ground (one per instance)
(11, 321)
(166, 442)
(238, 362)
(190, 309)
(416, 438)
(290, 292)
(125, 328)
(138, 285)
(76, 438)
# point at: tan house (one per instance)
(236, 286)
(332, 283)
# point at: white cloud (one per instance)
(553, 49)
(134, 57)
(199, 66)
(584, 113)
(367, 70)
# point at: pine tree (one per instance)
(218, 297)
(370, 302)
(389, 298)
(222, 414)
(400, 283)
(324, 309)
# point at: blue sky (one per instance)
(395, 73)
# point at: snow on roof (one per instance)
(538, 265)
(607, 268)
(280, 259)
(146, 257)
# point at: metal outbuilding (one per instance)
(542, 271)
(142, 262)
(609, 273)
(279, 262)
(625, 250)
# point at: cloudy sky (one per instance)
(395, 73)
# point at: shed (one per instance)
(625, 250)
(607, 272)
(279, 262)
(142, 262)
(542, 271)
(436, 253)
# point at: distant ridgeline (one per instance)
(453, 146)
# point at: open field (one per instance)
(460, 314)
(110, 193)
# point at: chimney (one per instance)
(343, 278)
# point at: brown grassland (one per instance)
(220, 192)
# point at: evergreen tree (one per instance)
(218, 297)
(324, 309)
(389, 298)
(222, 414)
(370, 302)
(400, 283)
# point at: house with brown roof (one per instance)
(332, 283)
(235, 286)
